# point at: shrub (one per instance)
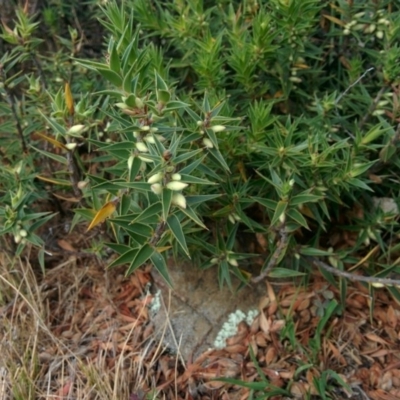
(210, 122)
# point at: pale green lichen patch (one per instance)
(229, 328)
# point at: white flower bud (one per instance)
(142, 147)
(146, 159)
(156, 178)
(179, 200)
(139, 102)
(214, 260)
(145, 128)
(208, 143)
(122, 105)
(17, 238)
(76, 129)
(218, 128)
(377, 285)
(130, 162)
(156, 188)
(379, 34)
(236, 217)
(82, 184)
(176, 177)
(149, 139)
(282, 218)
(233, 261)
(71, 146)
(383, 103)
(295, 79)
(176, 185)
(333, 261)
(23, 233)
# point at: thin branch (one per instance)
(160, 228)
(372, 108)
(284, 238)
(340, 97)
(354, 277)
(352, 85)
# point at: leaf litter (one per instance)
(90, 334)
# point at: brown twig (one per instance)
(284, 238)
(354, 277)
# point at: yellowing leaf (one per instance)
(61, 182)
(103, 213)
(69, 101)
(163, 248)
(335, 20)
(70, 199)
(52, 141)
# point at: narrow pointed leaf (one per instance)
(125, 258)
(141, 257)
(161, 266)
(176, 229)
(166, 202)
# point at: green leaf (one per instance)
(166, 199)
(219, 158)
(328, 312)
(359, 183)
(195, 180)
(186, 156)
(313, 252)
(297, 216)
(144, 253)
(118, 248)
(137, 163)
(278, 272)
(280, 209)
(43, 218)
(55, 157)
(149, 214)
(115, 63)
(267, 203)
(139, 186)
(373, 134)
(303, 198)
(138, 228)
(176, 229)
(360, 169)
(111, 76)
(160, 83)
(175, 105)
(163, 96)
(161, 266)
(55, 125)
(201, 198)
(189, 212)
(125, 258)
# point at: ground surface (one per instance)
(85, 332)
